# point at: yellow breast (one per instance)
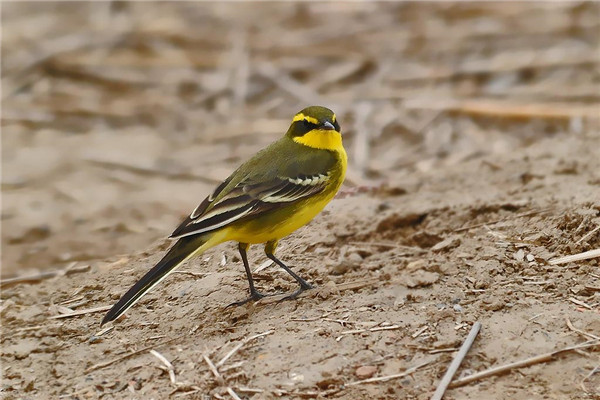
(280, 223)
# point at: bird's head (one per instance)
(316, 127)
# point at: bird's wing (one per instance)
(250, 197)
(201, 209)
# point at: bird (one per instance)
(280, 189)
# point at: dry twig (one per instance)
(586, 255)
(213, 369)
(188, 393)
(389, 377)
(418, 333)
(81, 312)
(520, 364)
(5, 283)
(580, 303)
(354, 331)
(582, 333)
(103, 331)
(198, 275)
(441, 389)
(239, 346)
(128, 355)
(233, 394)
(166, 363)
(249, 390)
(587, 235)
(502, 108)
(521, 215)
(262, 266)
(357, 284)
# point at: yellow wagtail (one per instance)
(274, 193)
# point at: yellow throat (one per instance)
(322, 139)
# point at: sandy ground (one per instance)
(474, 165)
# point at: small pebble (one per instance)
(94, 339)
(365, 372)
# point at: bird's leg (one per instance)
(254, 294)
(269, 250)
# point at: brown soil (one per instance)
(474, 163)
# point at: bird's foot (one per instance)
(254, 296)
(303, 287)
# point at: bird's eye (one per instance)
(308, 126)
(305, 125)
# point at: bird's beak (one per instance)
(328, 126)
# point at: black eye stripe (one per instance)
(301, 127)
(309, 125)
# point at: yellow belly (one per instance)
(278, 224)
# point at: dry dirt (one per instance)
(474, 143)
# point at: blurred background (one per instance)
(119, 117)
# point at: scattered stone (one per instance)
(296, 377)
(340, 269)
(444, 314)
(365, 371)
(425, 239)
(422, 278)
(23, 349)
(483, 282)
(327, 290)
(447, 244)
(519, 255)
(30, 385)
(329, 382)
(354, 258)
(6, 305)
(492, 304)
(446, 269)
(350, 262)
(95, 339)
(415, 265)
(396, 221)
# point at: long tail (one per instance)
(183, 249)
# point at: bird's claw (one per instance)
(254, 296)
(294, 295)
